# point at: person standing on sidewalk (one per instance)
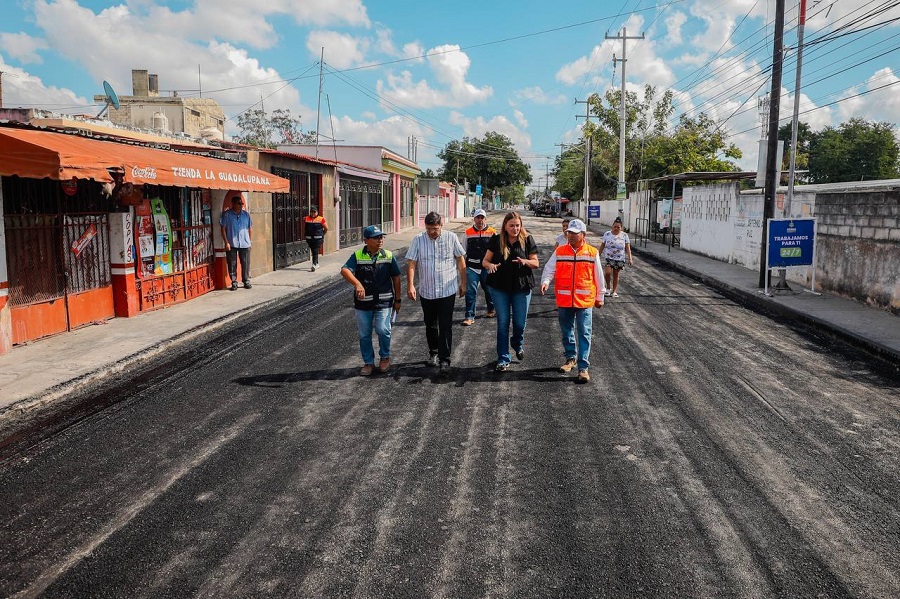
(237, 229)
(616, 249)
(375, 276)
(477, 237)
(438, 256)
(315, 228)
(577, 277)
(510, 261)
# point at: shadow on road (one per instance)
(413, 373)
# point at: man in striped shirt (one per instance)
(439, 257)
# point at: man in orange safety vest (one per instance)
(577, 276)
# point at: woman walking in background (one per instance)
(510, 260)
(615, 249)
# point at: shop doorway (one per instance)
(57, 251)
(174, 245)
(288, 211)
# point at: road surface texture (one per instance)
(715, 453)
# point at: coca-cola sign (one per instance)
(143, 172)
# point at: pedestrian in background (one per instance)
(477, 238)
(237, 230)
(438, 257)
(577, 277)
(315, 229)
(562, 239)
(375, 276)
(510, 260)
(616, 249)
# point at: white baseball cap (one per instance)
(576, 226)
(480, 212)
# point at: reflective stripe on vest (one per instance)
(574, 283)
(366, 272)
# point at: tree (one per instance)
(428, 174)
(801, 162)
(492, 161)
(854, 151)
(257, 129)
(652, 146)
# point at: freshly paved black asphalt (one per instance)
(714, 454)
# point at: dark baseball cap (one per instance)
(372, 231)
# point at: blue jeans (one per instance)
(569, 319)
(516, 303)
(473, 279)
(381, 321)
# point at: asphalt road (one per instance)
(715, 453)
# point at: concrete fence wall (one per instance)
(859, 246)
(858, 236)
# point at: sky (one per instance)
(438, 71)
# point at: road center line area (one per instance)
(715, 452)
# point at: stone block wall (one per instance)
(858, 246)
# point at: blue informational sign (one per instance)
(593, 211)
(478, 190)
(791, 242)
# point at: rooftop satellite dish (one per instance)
(112, 98)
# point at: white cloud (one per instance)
(520, 118)
(450, 67)
(341, 50)
(538, 96)
(478, 126)
(414, 50)
(120, 41)
(880, 105)
(244, 21)
(674, 22)
(22, 90)
(23, 47)
(391, 132)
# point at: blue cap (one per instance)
(372, 231)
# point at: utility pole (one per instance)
(620, 187)
(588, 146)
(795, 123)
(319, 105)
(772, 146)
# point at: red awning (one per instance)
(40, 154)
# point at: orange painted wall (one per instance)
(91, 306)
(38, 320)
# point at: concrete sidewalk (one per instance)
(874, 330)
(46, 369)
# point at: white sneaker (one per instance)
(615, 295)
(606, 292)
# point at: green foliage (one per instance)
(854, 151)
(257, 129)
(493, 161)
(652, 147)
(427, 174)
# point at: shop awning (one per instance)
(39, 154)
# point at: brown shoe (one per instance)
(468, 322)
(384, 365)
(490, 314)
(568, 366)
(367, 370)
(583, 376)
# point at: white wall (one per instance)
(708, 220)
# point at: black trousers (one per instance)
(233, 255)
(314, 245)
(438, 315)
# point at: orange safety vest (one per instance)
(574, 283)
